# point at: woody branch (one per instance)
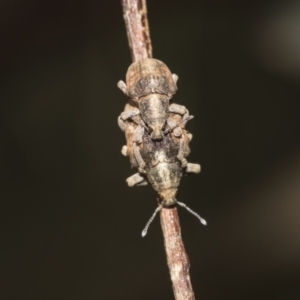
(135, 16)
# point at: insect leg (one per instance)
(135, 179)
(122, 86)
(124, 150)
(179, 109)
(181, 152)
(129, 113)
(175, 78)
(139, 158)
(193, 168)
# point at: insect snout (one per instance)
(156, 129)
(156, 135)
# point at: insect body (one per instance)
(162, 167)
(150, 86)
(157, 141)
(150, 76)
(158, 163)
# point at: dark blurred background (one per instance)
(70, 226)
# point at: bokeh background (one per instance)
(70, 227)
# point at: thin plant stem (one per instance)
(137, 27)
(136, 21)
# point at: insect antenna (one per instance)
(203, 221)
(144, 232)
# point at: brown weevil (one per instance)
(150, 86)
(157, 141)
(159, 165)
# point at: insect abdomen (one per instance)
(164, 176)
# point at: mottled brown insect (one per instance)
(157, 141)
(150, 86)
(159, 164)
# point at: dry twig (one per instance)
(136, 21)
(135, 15)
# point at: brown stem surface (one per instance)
(135, 15)
(136, 21)
(177, 258)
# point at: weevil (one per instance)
(157, 141)
(159, 165)
(150, 85)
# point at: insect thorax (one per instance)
(154, 110)
(152, 84)
(149, 76)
